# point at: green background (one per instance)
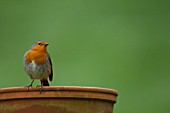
(118, 44)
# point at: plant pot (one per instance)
(57, 99)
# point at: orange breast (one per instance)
(38, 57)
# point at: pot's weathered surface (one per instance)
(57, 99)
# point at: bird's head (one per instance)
(40, 46)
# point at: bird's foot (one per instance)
(41, 88)
(29, 86)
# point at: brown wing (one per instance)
(51, 74)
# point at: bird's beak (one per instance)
(46, 45)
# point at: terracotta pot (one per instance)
(56, 99)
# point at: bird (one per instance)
(37, 64)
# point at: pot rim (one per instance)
(58, 92)
(60, 88)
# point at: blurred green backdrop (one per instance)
(118, 44)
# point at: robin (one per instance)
(37, 64)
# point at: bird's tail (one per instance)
(45, 83)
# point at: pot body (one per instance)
(56, 99)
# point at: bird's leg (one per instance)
(30, 84)
(41, 87)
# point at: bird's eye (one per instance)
(39, 43)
